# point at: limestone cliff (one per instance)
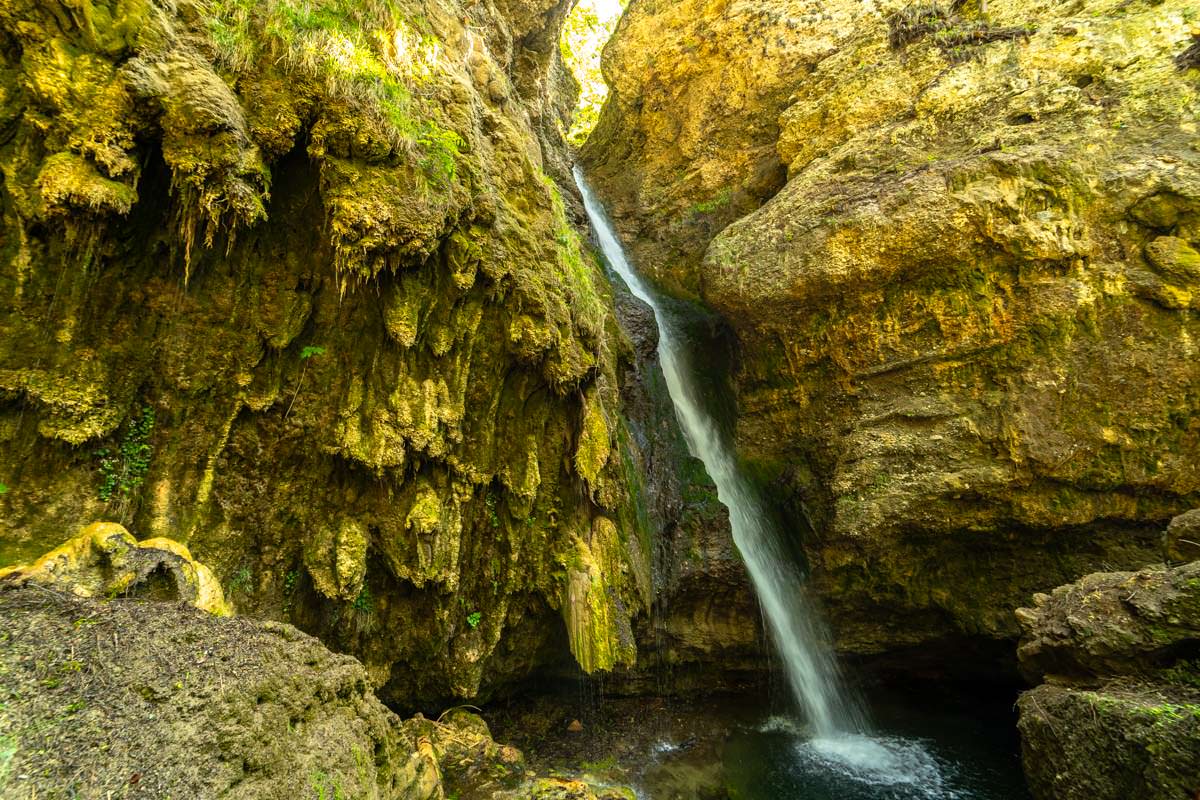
(292, 283)
(967, 321)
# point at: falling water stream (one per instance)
(837, 737)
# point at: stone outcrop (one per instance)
(966, 323)
(133, 698)
(1118, 715)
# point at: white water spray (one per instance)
(796, 629)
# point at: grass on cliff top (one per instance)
(365, 53)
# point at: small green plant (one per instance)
(363, 603)
(290, 581)
(474, 618)
(307, 353)
(493, 517)
(712, 204)
(241, 581)
(124, 470)
(325, 788)
(3, 488)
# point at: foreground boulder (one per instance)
(1119, 713)
(134, 698)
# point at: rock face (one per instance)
(705, 629)
(1119, 713)
(967, 322)
(133, 698)
(293, 284)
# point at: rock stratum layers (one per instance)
(960, 252)
(293, 283)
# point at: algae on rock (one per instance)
(1117, 713)
(319, 243)
(127, 697)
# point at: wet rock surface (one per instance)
(705, 630)
(293, 284)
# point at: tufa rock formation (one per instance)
(958, 253)
(294, 284)
(104, 560)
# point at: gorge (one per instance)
(813, 413)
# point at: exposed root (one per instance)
(1190, 58)
(950, 32)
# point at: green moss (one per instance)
(426, 512)
(593, 450)
(68, 182)
(579, 275)
(1183, 673)
(364, 53)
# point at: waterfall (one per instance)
(796, 628)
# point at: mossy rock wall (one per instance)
(288, 282)
(967, 323)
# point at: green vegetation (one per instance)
(1183, 673)
(309, 352)
(578, 276)
(364, 602)
(3, 488)
(712, 204)
(242, 581)
(474, 618)
(325, 788)
(363, 52)
(605, 764)
(123, 471)
(584, 35)
(8, 749)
